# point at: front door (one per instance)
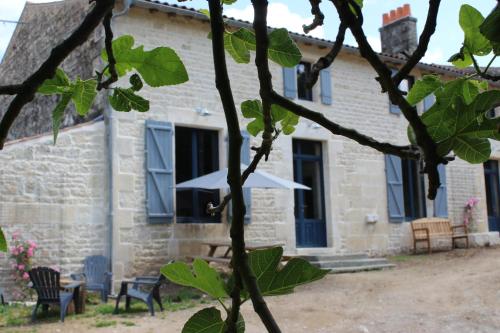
(491, 177)
(310, 227)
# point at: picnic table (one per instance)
(226, 259)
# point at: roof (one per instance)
(194, 13)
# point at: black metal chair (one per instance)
(144, 288)
(96, 275)
(46, 282)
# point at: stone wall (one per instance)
(44, 25)
(56, 195)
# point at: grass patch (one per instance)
(105, 323)
(104, 309)
(128, 323)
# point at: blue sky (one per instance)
(293, 13)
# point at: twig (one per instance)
(319, 17)
(423, 43)
(108, 42)
(326, 61)
(484, 73)
(48, 68)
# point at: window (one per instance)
(196, 154)
(413, 190)
(303, 71)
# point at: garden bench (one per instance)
(426, 228)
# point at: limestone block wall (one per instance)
(56, 195)
(45, 25)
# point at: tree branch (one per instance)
(318, 17)
(326, 61)
(424, 141)
(108, 42)
(48, 68)
(484, 74)
(409, 152)
(240, 259)
(13, 89)
(423, 43)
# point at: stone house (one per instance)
(108, 185)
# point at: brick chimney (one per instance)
(399, 31)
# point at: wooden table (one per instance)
(79, 294)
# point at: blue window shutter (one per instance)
(393, 108)
(395, 196)
(429, 101)
(326, 86)
(245, 159)
(159, 172)
(290, 82)
(441, 201)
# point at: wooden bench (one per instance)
(426, 228)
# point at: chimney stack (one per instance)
(399, 31)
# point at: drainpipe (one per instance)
(109, 121)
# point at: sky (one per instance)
(292, 14)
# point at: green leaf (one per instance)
(3, 241)
(228, 2)
(84, 92)
(209, 320)
(470, 20)
(58, 114)
(136, 82)
(423, 88)
(158, 67)
(239, 43)
(203, 277)
(59, 84)
(278, 113)
(282, 49)
(289, 122)
(126, 100)
(271, 281)
(253, 109)
(490, 28)
(461, 59)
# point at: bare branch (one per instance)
(318, 17)
(326, 61)
(48, 68)
(423, 43)
(13, 89)
(319, 118)
(424, 141)
(108, 42)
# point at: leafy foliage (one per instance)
(3, 241)
(203, 277)
(457, 121)
(81, 92)
(273, 281)
(239, 43)
(158, 67)
(490, 28)
(253, 109)
(209, 320)
(282, 49)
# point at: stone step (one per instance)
(350, 262)
(355, 269)
(323, 257)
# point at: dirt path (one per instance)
(456, 291)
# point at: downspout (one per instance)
(109, 121)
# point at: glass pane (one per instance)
(311, 177)
(303, 70)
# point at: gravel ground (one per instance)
(456, 291)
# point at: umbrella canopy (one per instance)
(258, 179)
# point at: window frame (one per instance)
(414, 197)
(308, 91)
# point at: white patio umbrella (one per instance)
(258, 179)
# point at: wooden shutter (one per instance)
(395, 195)
(290, 82)
(159, 172)
(247, 193)
(326, 86)
(441, 201)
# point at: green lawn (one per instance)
(16, 315)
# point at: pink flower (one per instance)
(15, 235)
(26, 276)
(20, 267)
(29, 253)
(32, 244)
